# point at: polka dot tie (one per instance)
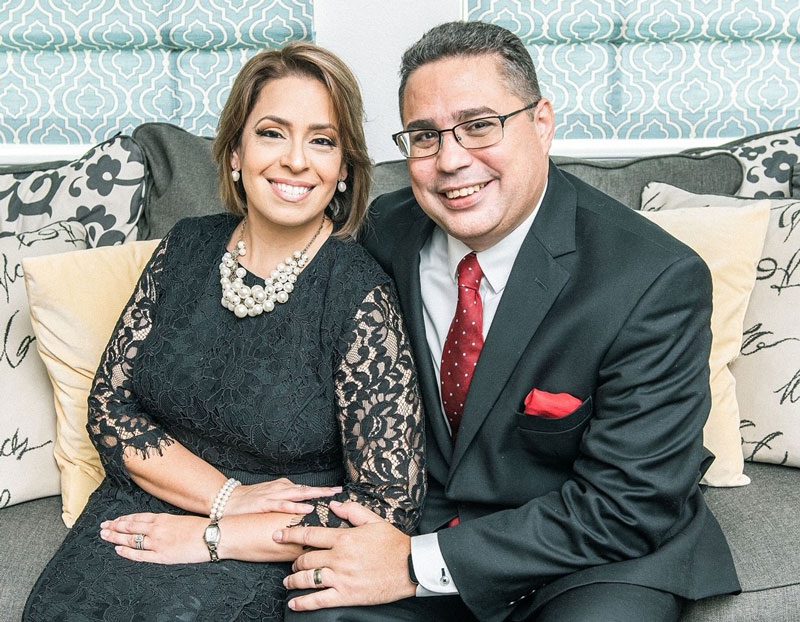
(464, 341)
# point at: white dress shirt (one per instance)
(439, 259)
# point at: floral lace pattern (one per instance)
(321, 391)
(380, 409)
(115, 419)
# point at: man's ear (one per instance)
(545, 121)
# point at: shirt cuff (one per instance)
(432, 573)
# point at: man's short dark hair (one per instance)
(455, 39)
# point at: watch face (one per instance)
(212, 534)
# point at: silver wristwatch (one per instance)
(212, 536)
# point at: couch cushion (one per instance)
(767, 160)
(624, 180)
(181, 178)
(27, 417)
(762, 526)
(768, 372)
(31, 533)
(102, 190)
(71, 341)
(733, 271)
(719, 173)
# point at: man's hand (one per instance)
(364, 565)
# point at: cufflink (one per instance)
(444, 579)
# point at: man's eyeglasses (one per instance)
(473, 134)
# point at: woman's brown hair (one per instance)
(347, 209)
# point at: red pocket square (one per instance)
(550, 405)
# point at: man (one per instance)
(562, 345)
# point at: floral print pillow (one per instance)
(103, 190)
(768, 160)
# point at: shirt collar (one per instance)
(496, 261)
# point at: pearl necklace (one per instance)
(252, 301)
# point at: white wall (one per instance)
(371, 36)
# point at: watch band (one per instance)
(411, 574)
(212, 542)
(212, 551)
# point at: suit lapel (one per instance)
(405, 266)
(535, 281)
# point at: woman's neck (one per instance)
(268, 245)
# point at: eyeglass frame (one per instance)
(500, 117)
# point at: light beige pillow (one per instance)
(76, 300)
(729, 240)
(768, 371)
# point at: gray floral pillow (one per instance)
(768, 161)
(103, 190)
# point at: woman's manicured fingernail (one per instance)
(277, 536)
(335, 504)
(105, 523)
(307, 508)
(104, 533)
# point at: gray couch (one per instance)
(759, 520)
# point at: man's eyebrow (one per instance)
(460, 117)
(314, 127)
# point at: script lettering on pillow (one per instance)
(27, 414)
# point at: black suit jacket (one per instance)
(604, 305)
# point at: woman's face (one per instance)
(290, 156)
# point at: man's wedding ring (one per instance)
(317, 577)
(138, 540)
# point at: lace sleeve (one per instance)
(116, 420)
(380, 414)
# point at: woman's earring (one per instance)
(341, 186)
(235, 175)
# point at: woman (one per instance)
(259, 371)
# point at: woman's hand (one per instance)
(280, 495)
(167, 539)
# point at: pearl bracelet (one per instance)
(221, 500)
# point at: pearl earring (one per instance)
(235, 175)
(341, 186)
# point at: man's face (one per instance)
(502, 182)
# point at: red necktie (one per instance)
(464, 341)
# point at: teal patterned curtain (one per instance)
(78, 71)
(627, 69)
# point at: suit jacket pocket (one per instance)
(554, 440)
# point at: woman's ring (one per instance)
(317, 577)
(138, 539)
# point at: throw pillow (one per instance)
(27, 417)
(768, 371)
(76, 300)
(767, 160)
(729, 240)
(102, 190)
(182, 177)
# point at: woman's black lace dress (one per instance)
(322, 391)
